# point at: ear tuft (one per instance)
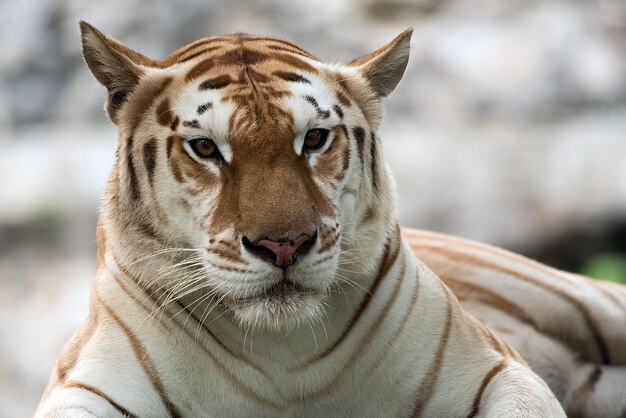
(115, 66)
(384, 67)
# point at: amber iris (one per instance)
(315, 139)
(204, 148)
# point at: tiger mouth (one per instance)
(282, 290)
(280, 293)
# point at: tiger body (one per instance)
(391, 363)
(570, 329)
(249, 259)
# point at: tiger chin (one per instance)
(289, 302)
(250, 262)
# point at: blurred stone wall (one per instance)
(509, 127)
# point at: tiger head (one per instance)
(248, 172)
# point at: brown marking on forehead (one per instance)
(257, 77)
(290, 50)
(200, 68)
(286, 45)
(191, 123)
(143, 98)
(247, 57)
(255, 105)
(214, 44)
(204, 107)
(343, 94)
(292, 77)
(164, 115)
(216, 83)
(187, 50)
(241, 56)
(338, 111)
(250, 57)
(324, 114)
(201, 51)
(343, 82)
(343, 99)
(294, 62)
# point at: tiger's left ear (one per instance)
(115, 66)
(384, 67)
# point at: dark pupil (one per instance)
(205, 147)
(313, 137)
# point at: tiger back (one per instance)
(570, 329)
(249, 258)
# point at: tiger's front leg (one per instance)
(509, 396)
(76, 402)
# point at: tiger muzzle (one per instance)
(282, 252)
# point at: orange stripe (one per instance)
(607, 291)
(364, 341)
(490, 250)
(225, 372)
(211, 334)
(204, 42)
(389, 257)
(584, 312)
(97, 392)
(403, 322)
(427, 387)
(580, 398)
(465, 290)
(69, 357)
(218, 341)
(144, 360)
(488, 377)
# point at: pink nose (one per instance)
(281, 253)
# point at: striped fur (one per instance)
(185, 321)
(571, 330)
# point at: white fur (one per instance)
(238, 352)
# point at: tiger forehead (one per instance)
(252, 72)
(239, 50)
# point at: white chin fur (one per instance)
(281, 314)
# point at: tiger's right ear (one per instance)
(115, 66)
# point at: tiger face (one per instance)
(252, 156)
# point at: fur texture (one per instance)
(189, 316)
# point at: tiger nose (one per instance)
(281, 253)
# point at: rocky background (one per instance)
(509, 127)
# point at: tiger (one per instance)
(250, 261)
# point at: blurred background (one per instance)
(509, 127)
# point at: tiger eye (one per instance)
(204, 147)
(315, 139)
